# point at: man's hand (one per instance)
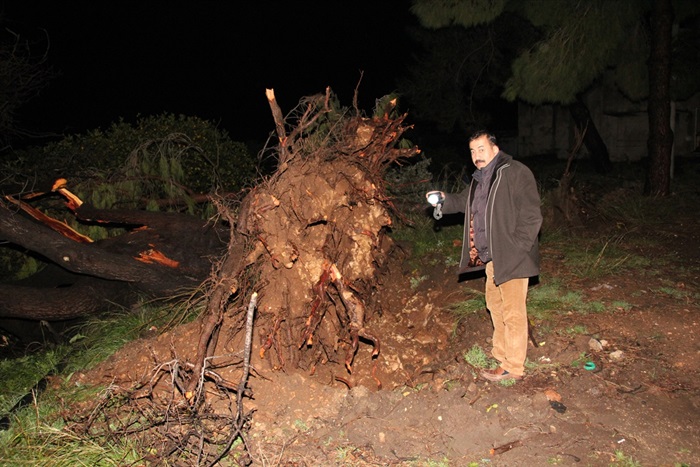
(435, 197)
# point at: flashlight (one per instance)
(436, 198)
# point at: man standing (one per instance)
(501, 225)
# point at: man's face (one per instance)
(482, 151)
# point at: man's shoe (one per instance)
(499, 374)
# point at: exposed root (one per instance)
(356, 312)
(315, 316)
(172, 423)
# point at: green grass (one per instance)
(551, 298)
(620, 305)
(21, 374)
(429, 246)
(478, 358)
(417, 280)
(577, 329)
(580, 360)
(470, 306)
(622, 459)
(37, 434)
(507, 383)
(674, 292)
(540, 365)
(595, 257)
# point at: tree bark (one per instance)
(592, 139)
(660, 142)
(81, 298)
(163, 255)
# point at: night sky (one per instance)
(211, 59)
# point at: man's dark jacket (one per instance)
(513, 220)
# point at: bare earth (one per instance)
(641, 400)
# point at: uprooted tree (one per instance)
(304, 248)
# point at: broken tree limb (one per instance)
(279, 127)
(311, 108)
(86, 258)
(161, 255)
(250, 315)
(59, 226)
(506, 447)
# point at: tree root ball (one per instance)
(317, 215)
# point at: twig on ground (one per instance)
(240, 419)
(506, 447)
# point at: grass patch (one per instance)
(543, 364)
(622, 459)
(99, 338)
(596, 257)
(417, 280)
(20, 375)
(461, 310)
(675, 293)
(576, 330)
(470, 306)
(580, 360)
(551, 298)
(429, 245)
(621, 305)
(478, 358)
(37, 434)
(507, 383)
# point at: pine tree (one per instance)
(578, 42)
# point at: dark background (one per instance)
(210, 59)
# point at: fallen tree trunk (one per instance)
(161, 255)
(84, 297)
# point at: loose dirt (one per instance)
(641, 402)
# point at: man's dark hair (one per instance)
(479, 133)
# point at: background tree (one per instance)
(23, 74)
(660, 133)
(578, 43)
(461, 72)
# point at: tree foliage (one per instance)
(459, 71)
(579, 42)
(685, 74)
(582, 42)
(159, 157)
(442, 13)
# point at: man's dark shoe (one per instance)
(499, 374)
